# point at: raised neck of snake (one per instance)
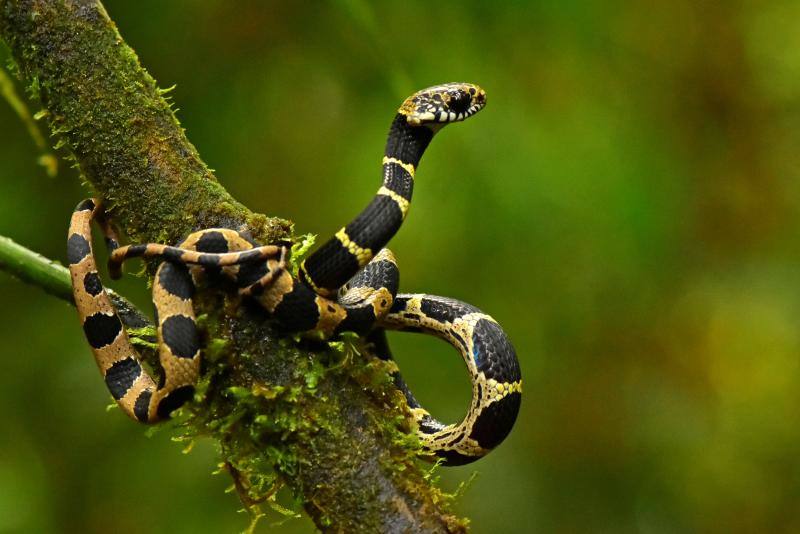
(340, 258)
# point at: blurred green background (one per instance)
(627, 207)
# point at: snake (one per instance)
(350, 283)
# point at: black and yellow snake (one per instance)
(349, 284)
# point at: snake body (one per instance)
(350, 283)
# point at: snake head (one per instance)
(443, 104)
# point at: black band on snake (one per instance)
(349, 284)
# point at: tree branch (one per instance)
(315, 416)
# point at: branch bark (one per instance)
(315, 416)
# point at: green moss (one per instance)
(300, 250)
(143, 337)
(268, 432)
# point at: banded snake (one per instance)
(350, 283)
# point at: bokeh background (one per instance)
(627, 206)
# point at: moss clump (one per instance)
(270, 432)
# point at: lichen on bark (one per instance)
(318, 417)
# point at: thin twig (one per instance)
(47, 159)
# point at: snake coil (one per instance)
(349, 283)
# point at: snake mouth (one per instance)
(442, 116)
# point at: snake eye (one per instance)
(459, 101)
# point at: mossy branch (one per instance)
(317, 417)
